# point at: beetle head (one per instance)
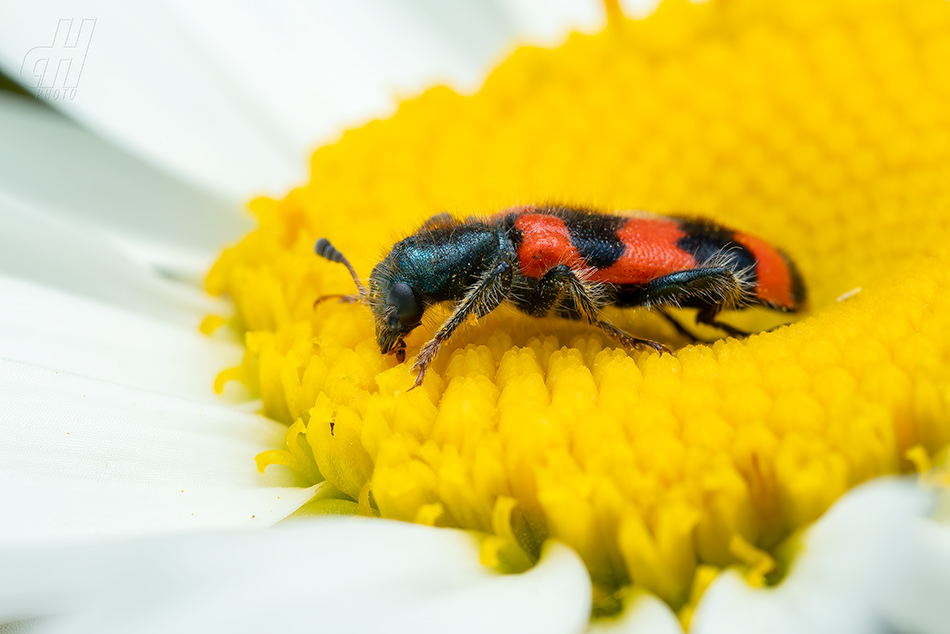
(397, 309)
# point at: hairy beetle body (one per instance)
(571, 263)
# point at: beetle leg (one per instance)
(482, 298)
(549, 294)
(680, 328)
(628, 340)
(560, 280)
(716, 286)
(709, 289)
(707, 316)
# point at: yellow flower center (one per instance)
(819, 125)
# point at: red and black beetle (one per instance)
(571, 263)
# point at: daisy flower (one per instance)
(720, 489)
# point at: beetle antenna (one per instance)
(324, 249)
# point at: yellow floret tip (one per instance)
(211, 323)
(819, 125)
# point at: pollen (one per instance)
(819, 125)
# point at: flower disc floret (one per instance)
(818, 125)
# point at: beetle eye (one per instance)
(404, 301)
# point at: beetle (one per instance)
(569, 262)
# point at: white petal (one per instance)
(234, 95)
(326, 575)
(73, 256)
(50, 163)
(644, 614)
(875, 562)
(45, 327)
(546, 22)
(83, 458)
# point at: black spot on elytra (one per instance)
(799, 292)
(595, 237)
(331, 427)
(704, 240)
